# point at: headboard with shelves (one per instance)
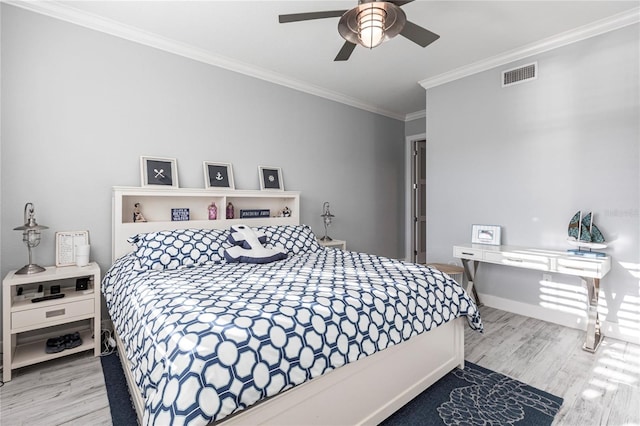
(156, 205)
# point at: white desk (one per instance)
(589, 269)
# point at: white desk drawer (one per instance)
(519, 259)
(493, 257)
(467, 253)
(594, 268)
(50, 314)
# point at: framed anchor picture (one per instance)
(218, 175)
(158, 171)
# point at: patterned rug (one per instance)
(473, 396)
(478, 396)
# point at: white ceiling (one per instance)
(245, 36)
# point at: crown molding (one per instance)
(75, 16)
(415, 115)
(630, 17)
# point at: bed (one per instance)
(323, 336)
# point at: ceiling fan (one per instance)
(369, 24)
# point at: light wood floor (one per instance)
(598, 389)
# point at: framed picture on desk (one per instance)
(485, 234)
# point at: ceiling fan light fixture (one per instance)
(371, 23)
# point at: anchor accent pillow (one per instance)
(248, 247)
(178, 248)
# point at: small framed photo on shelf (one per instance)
(181, 214)
(218, 175)
(157, 171)
(485, 234)
(270, 178)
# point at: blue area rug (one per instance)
(477, 396)
(120, 404)
(473, 396)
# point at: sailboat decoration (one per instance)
(583, 233)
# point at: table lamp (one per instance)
(326, 217)
(31, 237)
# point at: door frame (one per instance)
(408, 216)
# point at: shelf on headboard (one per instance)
(156, 205)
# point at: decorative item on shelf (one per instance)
(156, 171)
(213, 211)
(254, 213)
(137, 214)
(584, 234)
(218, 175)
(286, 212)
(271, 178)
(485, 234)
(230, 213)
(31, 237)
(327, 218)
(178, 215)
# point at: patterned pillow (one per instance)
(179, 248)
(295, 239)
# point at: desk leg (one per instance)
(470, 277)
(594, 336)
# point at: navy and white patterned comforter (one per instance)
(208, 341)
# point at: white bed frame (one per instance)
(364, 392)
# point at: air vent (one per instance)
(520, 75)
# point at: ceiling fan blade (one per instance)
(399, 2)
(345, 52)
(296, 17)
(418, 35)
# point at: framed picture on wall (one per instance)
(270, 178)
(218, 175)
(158, 171)
(485, 234)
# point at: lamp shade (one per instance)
(371, 26)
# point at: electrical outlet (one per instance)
(546, 277)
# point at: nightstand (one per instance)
(339, 244)
(20, 315)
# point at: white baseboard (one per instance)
(608, 329)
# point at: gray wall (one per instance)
(529, 156)
(415, 127)
(80, 107)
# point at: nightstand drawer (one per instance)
(51, 314)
